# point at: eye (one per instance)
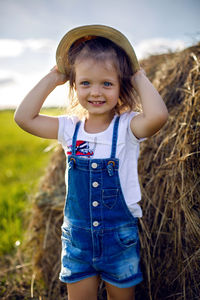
(85, 83)
(107, 83)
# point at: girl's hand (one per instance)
(59, 78)
(154, 112)
(28, 116)
(136, 77)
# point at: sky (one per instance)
(30, 31)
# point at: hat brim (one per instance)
(93, 30)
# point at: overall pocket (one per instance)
(127, 236)
(109, 197)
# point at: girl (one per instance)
(99, 231)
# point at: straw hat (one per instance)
(88, 32)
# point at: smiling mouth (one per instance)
(97, 102)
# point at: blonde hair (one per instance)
(100, 49)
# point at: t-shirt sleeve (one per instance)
(133, 138)
(66, 129)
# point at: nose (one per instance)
(95, 91)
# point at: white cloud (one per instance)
(158, 46)
(42, 45)
(12, 93)
(6, 76)
(6, 81)
(15, 48)
(10, 48)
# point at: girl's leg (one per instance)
(85, 289)
(115, 293)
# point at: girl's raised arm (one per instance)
(154, 114)
(27, 114)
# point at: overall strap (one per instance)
(75, 137)
(114, 138)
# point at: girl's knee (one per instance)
(85, 289)
(115, 293)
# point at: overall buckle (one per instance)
(110, 166)
(72, 162)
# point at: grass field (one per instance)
(23, 159)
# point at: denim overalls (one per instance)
(99, 233)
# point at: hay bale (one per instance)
(46, 222)
(170, 181)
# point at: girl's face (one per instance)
(97, 86)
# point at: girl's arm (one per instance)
(154, 112)
(27, 114)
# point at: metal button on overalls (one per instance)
(94, 165)
(95, 184)
(95, 223)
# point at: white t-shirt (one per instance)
(98, 145)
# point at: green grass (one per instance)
(23, 161)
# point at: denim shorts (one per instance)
(113, 254)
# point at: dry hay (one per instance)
(169, 174)
(170, 179)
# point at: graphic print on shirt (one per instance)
(82, 148)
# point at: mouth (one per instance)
(97, 102)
